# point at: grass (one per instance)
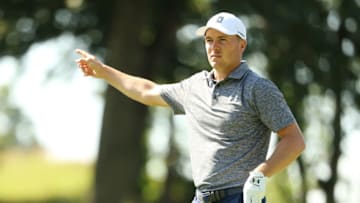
(29, 176)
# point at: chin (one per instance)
(214, 64)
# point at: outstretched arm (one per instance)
(136, 88)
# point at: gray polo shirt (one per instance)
(230, 123)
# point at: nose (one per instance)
(215, 45)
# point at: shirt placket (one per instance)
(215, 94)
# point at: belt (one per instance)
(217, 195)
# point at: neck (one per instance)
(222, 73)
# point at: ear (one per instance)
(243, 44)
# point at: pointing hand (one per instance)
(89, 64)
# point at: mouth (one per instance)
(215, 56)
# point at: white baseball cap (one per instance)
(226, 23)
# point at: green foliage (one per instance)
(279, 189)
(23, 22)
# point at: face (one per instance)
(224, 52)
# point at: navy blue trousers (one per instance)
(236, 198)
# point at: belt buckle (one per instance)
(212, 196)
(208, 197)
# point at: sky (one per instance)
(66, 110)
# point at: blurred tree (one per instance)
(15, 128)
(143, 36)
(135, 34)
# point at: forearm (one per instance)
(136, 88)
(288, 149)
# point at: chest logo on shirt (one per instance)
(233, 100)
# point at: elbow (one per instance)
(301, 145)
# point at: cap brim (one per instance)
(201, 31)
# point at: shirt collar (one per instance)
(237, 73)
(240, 71)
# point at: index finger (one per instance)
(82, 53)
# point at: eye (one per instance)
(208, 40)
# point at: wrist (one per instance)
(257, 173)
(264, 169)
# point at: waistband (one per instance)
(217, 195)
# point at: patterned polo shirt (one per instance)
(230, 123)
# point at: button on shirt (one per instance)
(230, 123)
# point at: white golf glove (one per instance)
(254, 188)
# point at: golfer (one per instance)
(231, 111)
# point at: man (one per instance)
(231, 112)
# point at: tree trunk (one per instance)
(176, 188)
(142, 36)
(121, 152)
(340, 64)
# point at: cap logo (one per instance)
(220, 19)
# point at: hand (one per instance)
(89, 64)
(254, 188)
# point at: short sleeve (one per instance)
(175, 95)
(271, 105)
